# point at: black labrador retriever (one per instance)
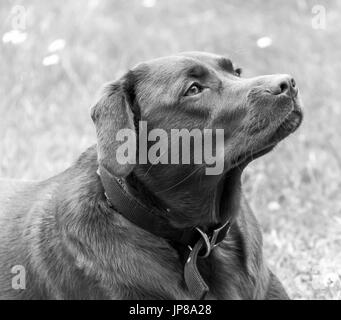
(150, 230)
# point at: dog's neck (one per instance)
(199, 201)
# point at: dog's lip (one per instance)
(289, 124)
(291, 121)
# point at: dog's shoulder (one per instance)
(101, 244)
(29, 225)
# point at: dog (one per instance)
(71, 241)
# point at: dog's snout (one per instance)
(283, 84)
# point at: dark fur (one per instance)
(74, 246)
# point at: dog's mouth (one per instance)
(289, 124)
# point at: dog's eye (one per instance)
(194, 89)
(238, 72)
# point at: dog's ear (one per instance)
(110, 114)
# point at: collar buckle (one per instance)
(210, 241)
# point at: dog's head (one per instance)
(194, 91)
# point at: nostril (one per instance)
(283, 87)
(283, 84)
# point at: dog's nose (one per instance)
(283, 84)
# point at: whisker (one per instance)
(175, 185)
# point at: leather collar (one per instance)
(156, 221)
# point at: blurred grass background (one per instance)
(47, 87)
